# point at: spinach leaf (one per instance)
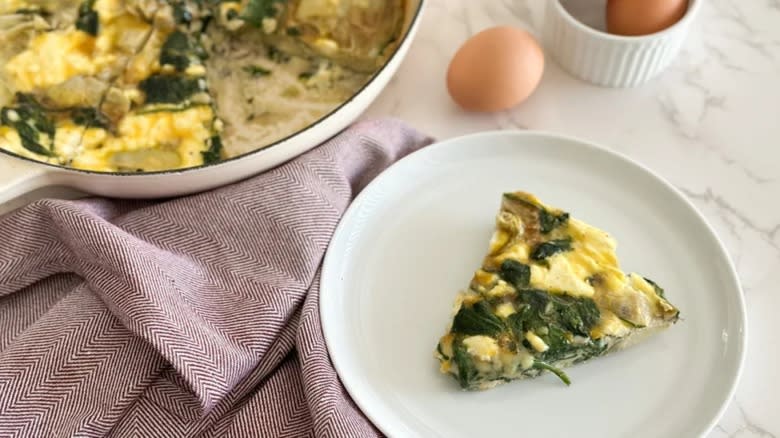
(31, 123)
(549, 221)
(532, 309)
(88, 20)
(517, 322)
(537, 299)
(576, 353)
(31, 140)
(556, 319)
(521, 200)
(558, 372)
(29, 109)
(467, 372)
(256, 71)
(180, 51)
(578, 315)
(556, 339)
(256, 10)
(558, 314)
(515, 273)
(213, 153)
(90, 117)
(477, 320)
(169, 88)
(549, 248)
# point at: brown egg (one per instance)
(643, 17)
(495, 69)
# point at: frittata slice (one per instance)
(549, 294)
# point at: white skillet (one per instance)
(19, 176)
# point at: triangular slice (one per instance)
(549, 294)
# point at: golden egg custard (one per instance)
(149, 85)
(549, 294)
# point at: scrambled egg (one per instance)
(161, 140)
(124, 52)
(56, 56)
(483, 348)
(52, 58)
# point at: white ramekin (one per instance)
(611, 60)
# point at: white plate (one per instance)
(415, 235)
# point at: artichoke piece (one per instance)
(145, 160)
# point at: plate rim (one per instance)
(329, 264)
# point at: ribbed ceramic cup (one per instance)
(605, 59)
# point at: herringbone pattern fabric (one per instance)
(194, 317)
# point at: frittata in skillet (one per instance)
(549, 294)
(146, 85)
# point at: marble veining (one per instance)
(709, 124)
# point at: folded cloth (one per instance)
(192, 317)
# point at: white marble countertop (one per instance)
(709, 124)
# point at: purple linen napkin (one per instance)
(193, 317)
